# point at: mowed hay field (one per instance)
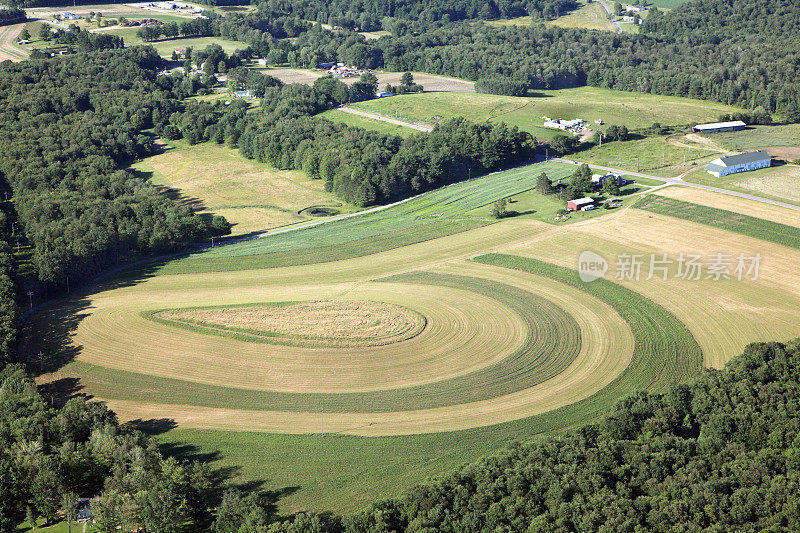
(634, 110)
(513, 343)
(252, 196)
(587, 15)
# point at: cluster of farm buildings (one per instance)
(733, 164)
(632, 14)
(340, 70)
(574, 126)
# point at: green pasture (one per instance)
(653, 154)
(438, 213)
(166, 47)
(633, 110)
(350, 119)
(758, 137)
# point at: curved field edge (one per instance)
(665, 351)
(273, 337)
(552, 343)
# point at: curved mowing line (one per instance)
(665, 352)
(552, 344)
(281, 339)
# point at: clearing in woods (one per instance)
(491, 335)
(431, 82)
(367, 123)
(587, 15)
(633, 110)
(253, 196)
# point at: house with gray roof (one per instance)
(739, 163)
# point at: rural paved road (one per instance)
(417, 127)
(678, 181)
(608, 10)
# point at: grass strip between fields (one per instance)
(758, 228)
(665, 351)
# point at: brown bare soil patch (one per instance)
(362, 323)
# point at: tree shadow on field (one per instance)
(153, 426)
(46, 342)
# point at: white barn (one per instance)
(739, 163)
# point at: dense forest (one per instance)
(11, 16)
(70, 125)
(752, 61)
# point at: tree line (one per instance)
(12, 15)
(372, 15)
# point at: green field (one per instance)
(216, 180)
(438, 213)
(589, 16)
(634, 110)
(165, 48)
(652, 154)
(367, 123)
(667, 4)
(739, 223)
(758, 137)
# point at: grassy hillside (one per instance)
(634, 110)
(588, 15)
(367, 123)
(435, 214)
(217, 180)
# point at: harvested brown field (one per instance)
(340, 323)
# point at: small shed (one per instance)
(384, 95)
(580, 204)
